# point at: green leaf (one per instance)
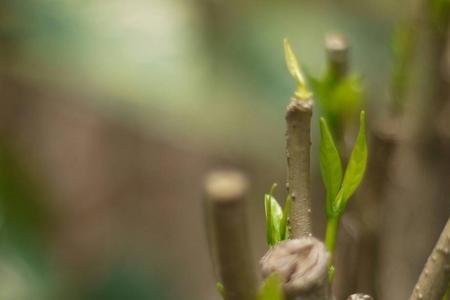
(331, 273)
(269, 226)
(274, 215)
(284, 232)
(320, 87)
(439, 12)
(347, 96)
(330, 165)
(292, 63)
(355, 168)
(220, 289)
(271, 289)
(294, 69)
(338, 99)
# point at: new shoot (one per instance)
(340, 186)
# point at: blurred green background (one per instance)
(111, 112)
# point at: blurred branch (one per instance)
(404, 48)
(435, 277)
(225, 192)
(337, 49)
(416, 173)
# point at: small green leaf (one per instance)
(220, 289)
(347, 96)
(271, 289)
(284, 232)
(292, 63)
(294, 69)
(331, 273)
(269, 226)
(338, 99)
(330, 165)
(355, 168)
(274, 215)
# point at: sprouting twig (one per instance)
(337, 54)
(302, 267)
(225, 193)
(434, 279)
(298, 145)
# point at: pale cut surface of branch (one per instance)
(298, 147)
(435, 277)
(302, 266)
(225, 193)
(338, 50)
(359, 296)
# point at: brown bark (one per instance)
(298, 147)
(435, 277)
(225, 192)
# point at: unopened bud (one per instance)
(302, 266)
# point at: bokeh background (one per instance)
(112, 112)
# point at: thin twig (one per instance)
(298, 146)
(225, 192)
(435, 277)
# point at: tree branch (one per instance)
(298, 145)
(337, 55)
(435, 277)
(225, 193)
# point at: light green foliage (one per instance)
(403, 47)
(347, 95)
(331, 273)
(340, 190)
(447, 293)
(284, 232)
(338, 193)
(274, 215)
(276, 218)
(294, 69)
(338, 99)
(439, 13)
(220, 289)
(271, 289)
(355, 169)
(330, 166)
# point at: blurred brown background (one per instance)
(112, 112)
